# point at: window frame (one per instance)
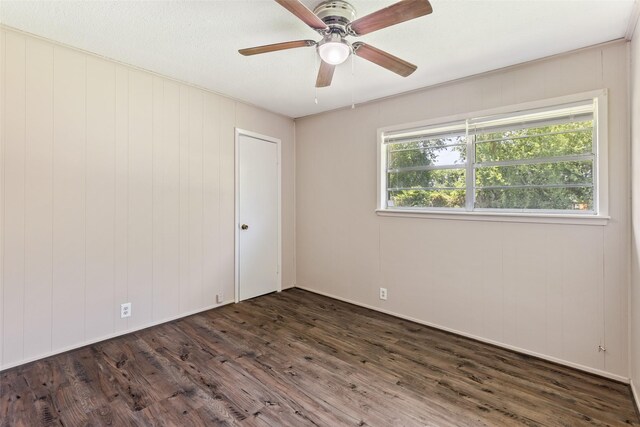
(599, 215)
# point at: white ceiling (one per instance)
(197, 42)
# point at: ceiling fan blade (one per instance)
(396, 13)
(383, 59)
(303, 13)
(276, 46)
(325, 74)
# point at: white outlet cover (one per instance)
(125, 310)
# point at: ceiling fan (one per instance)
(335, 20)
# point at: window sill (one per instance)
(498, 216)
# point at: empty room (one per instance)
(319, 213)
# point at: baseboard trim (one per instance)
(588, 369)
(111, 336)
(636, 396)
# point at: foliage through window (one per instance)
(531, 161)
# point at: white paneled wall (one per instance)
(118, 187)
(554, 290)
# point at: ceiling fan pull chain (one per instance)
(317, 62)
(353, 81)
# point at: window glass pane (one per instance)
(430, 178)
(427, 152)
(561, 173)
(564, 139)
(573, 198)
(448, 155)
(427, 198)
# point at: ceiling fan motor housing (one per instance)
(337, 14)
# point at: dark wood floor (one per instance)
(297, 359)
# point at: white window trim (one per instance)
(601, 201)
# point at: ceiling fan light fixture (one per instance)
(334, 50)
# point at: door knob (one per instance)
(244, 226)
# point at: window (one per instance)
(535, 160)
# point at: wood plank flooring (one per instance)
(298, 359)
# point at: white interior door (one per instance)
(257, 213)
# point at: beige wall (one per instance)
(635, 213)
(118, 186)
(550, 289)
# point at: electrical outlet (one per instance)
(219, 299)
(383, 293)
(125, 310)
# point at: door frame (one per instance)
(268, 140)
